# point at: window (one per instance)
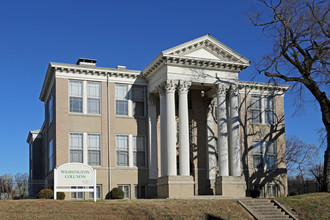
(140, 192)
(122, 150)
(269, 110)
(270, 155)
(260, 149)
(50, 110)
(262, 109)
(94, 149)
(256, 109)
(139, 151)
(121, 99)
(257, 155)
(76, 148)
(271, 191)
(76, 96)
(88, 151)
(98, 192)
(77, 195)
(93, 98)
(50, 155)
(126, 190)
(138, 100)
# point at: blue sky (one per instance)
(122, 32)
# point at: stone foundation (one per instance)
(175, 187)
(152, 188)
(233, 186)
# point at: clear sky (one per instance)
(130, 33)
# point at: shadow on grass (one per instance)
(212, 217)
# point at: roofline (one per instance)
(209, 36)
(52, 67)
(264, 86)
(30, 135)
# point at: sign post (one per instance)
(77, 175)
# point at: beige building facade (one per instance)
(182, 127)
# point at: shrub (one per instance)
(293, 193)
(60, 195)
(46, 194)
(117, 193)
(255, 193)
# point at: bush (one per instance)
(293, 193)
(46, 194)
(60, 195)
(117, 193)
(255, 193)
(248, 193)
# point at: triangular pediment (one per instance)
(207, 47)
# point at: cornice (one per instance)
(263, 86)
(210, 43)
(85, 70)
(193, 62)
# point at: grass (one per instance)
(309, 206)
(121, 209)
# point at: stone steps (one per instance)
(265, 209)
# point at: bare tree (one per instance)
(300, 33)
(317, 172)
(22, 184)
(300, 157)
(7, 186)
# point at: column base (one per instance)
(152, 188)
(175, 187)
(230, 186)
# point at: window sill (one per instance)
(128, 168)
(82, 114)
(131, 117)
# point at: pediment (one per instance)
(207, 47)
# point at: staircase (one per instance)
(265, 209)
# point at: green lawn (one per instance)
(309, 206)
(122, 209)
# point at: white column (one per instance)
(222, 131)
(170, 128)
(152, 141)
(235, 147)
(211, 143)
(184, 129)
(162, 108)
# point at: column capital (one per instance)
(221, 89)
(233, 87)
(169, 86)
(183, 87)
(161, 90)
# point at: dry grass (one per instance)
(309, 206)
(121, 209)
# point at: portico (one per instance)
(203, 62)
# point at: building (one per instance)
(183, 126)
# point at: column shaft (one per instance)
(235, 147)
(153, 155)
(222, 131)
(184, 153)
(170, 129)
(162, 107)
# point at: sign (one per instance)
(74, 174)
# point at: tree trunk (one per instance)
(326, 175)
(324, 102)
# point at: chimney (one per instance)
(85, 61)
(121, 67)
